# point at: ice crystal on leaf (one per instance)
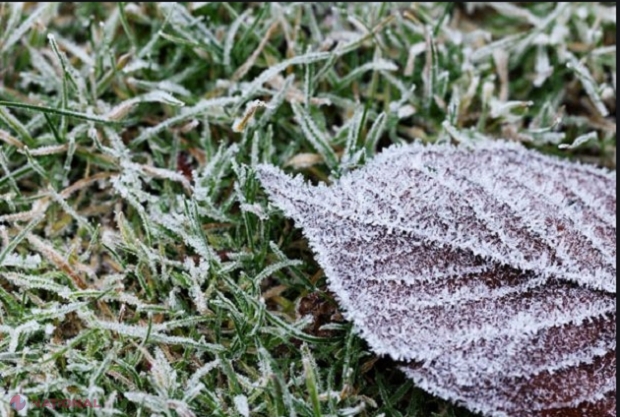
(488, 270)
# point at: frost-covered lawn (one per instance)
(141, 265)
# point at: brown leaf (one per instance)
(488, 270)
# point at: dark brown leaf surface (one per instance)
(488, 270)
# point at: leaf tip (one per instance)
(290, 194)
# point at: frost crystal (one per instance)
(488, 270)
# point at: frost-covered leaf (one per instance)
(488, 270)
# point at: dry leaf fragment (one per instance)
(488, 270)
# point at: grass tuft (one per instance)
(140, 262)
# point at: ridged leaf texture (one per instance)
(487, 270)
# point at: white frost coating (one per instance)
(241, 404)
(24, 262)
(488, 268)
(205, 106)
(579, 140)
(434, 206)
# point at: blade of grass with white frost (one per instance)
(406, 93)
(588, 83)
(308, 87)
(378, 65)
(280, 326)
(191, 29)
(133, 198)
(119, 111)
(167, 85)
(109, 29)
(453, 106)
(204, 107)
(272, 71)
(20, 236)
(62, 60)
(125, 24)
(144, 333)
(457, 135)
(374, 134)
(23, 262)
(240, 123)
(11, 140)
(275, 103)
(82, 221)
(181, 18)
(31, 282)
(71, 148)
(16, 125)
(273, 268)
(77, 51)
(35, 165)
(12, 21)
(45, 76)
(315, 136)
(14, 333)
(351, 154)
(39, 16)
(506, 43)
(312, 382)
(53, 110)
(230, 36)
(56, 310)
(512, 11)
(10, 178)
(579, 140)
(249, 63)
